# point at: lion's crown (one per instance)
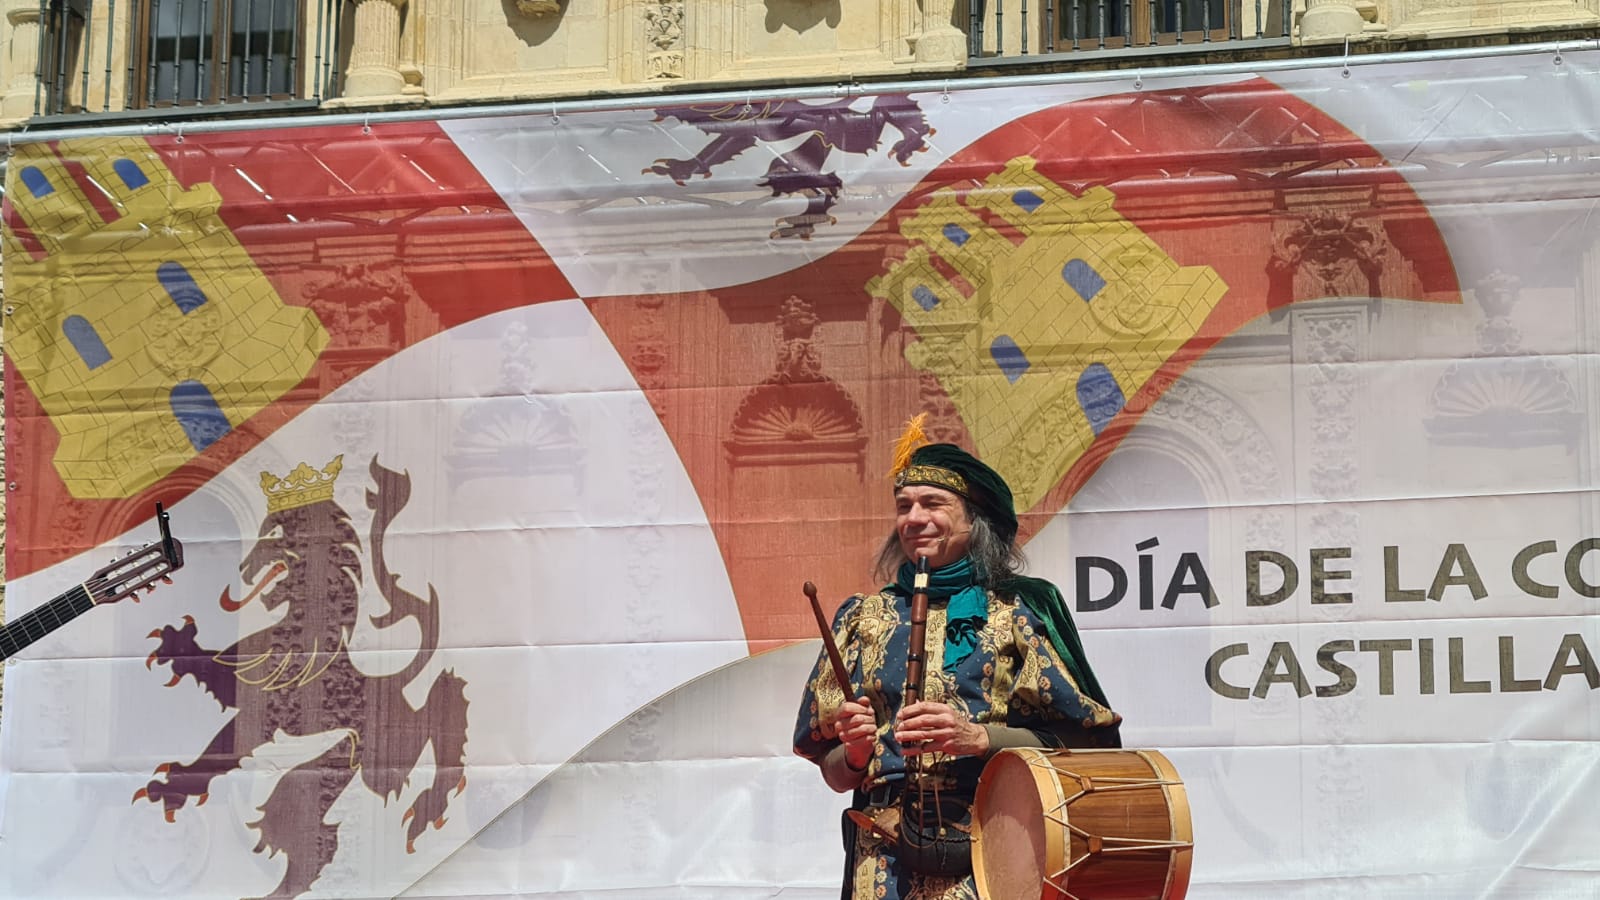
(302, 486)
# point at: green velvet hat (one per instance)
(947, 466)
(954, 469)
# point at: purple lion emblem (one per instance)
(826, 127)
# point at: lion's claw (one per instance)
(171, 796)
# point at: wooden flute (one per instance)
(917, 651)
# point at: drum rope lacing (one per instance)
(1098, 844)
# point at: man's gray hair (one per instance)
(996, 559)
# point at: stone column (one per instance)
(1330, 339)
(375, 51)
(21, 60)
(940, 44)
(1330, 19)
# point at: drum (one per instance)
(1081, 825)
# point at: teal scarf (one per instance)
(968, 611)
(965, 614)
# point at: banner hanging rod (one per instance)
(559, 106)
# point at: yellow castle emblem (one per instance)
(137, 319)
(1040, 336)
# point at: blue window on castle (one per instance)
(925, 297)
(197, 411)
(1028, 200)
(185, 294)
(955, 234)
(1081, 277)
(1009, 357)
(130, 173)
(1099, 396)
(84, 339)
(36, 182)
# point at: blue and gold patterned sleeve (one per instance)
(1045, 696)
(813, 731)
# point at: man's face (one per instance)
(931, 522)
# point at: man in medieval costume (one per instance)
(1002, 663)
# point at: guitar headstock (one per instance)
(140, 569)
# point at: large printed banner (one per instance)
(499, 449)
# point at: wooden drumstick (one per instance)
(840, 674)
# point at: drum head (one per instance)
(1008, 845)
(1129, 839)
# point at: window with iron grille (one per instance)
(1010, 27)
(1132, 23)
(188, 52)
(62, 24)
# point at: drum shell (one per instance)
(1128, 802)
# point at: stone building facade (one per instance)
(400, 53)
(74, 63)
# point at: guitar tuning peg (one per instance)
(165, 579)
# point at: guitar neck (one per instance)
(40, 621)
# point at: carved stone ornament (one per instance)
(538, 9)
(515, 440)
(1327, 254)
(797, 414)
(663, 31)
(664, 25)
(1500, 398)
